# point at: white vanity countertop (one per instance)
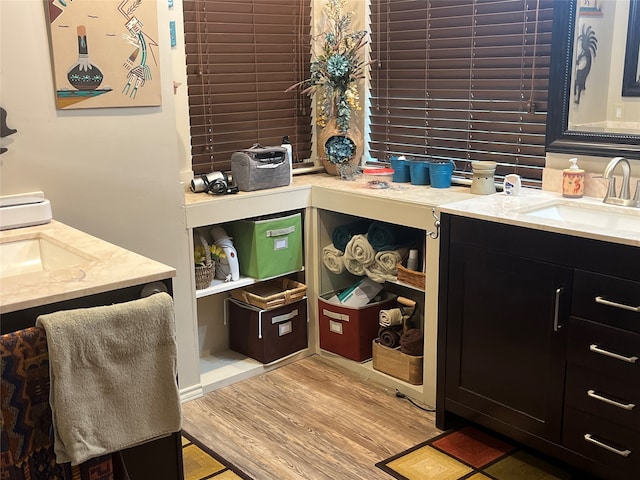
(600, 221)
(105, 267)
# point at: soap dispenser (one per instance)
(573, 180)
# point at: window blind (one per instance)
(241, 57)
(464, 80)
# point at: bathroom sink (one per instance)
(37, 253)
(607, 217)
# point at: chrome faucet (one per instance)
(625, 194)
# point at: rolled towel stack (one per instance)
(358, 255)
(391, 317)
(412, 342)
(388, 260)
(333, 259)
(390, 336)
(343, 233)
(386, 236)
(378, 274)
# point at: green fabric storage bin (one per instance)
(268, 247)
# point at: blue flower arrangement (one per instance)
(336, 70)
(339, 149)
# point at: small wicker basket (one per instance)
(205, 273)
(413, 278)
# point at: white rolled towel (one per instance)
(388, 260)
(389, 318)
(333, 259)
(376, 273)
(353, 266)
(359, 249)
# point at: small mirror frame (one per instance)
(558, 137)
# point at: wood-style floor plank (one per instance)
(307, 420)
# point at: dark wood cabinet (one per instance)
(520, 313)
(504, 355)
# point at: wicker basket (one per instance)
(206, 272)
(271, 294)
(415, 279)
(397, 364)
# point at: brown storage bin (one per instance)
(272, 293)
(267, 335)
(349, 331)
(397, 364)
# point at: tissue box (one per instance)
(350, 331)
(268, 247)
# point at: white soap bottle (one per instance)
(287, 145)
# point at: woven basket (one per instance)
(416, 279)
(271, 294)
(205, 273)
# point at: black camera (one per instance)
(215, 183)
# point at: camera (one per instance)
(216, 183)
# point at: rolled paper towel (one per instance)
(412, 342)
(389, 336)
(360, 250)
(389, 260)
(332, 259)
(389, 318)
(343, 233)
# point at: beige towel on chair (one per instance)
(113, 376)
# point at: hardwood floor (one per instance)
(307, 420)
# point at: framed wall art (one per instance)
(104, 54)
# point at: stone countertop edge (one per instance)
(107, 267)
(511, 210)
(456, 200)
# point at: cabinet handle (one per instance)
(556, 310)
(609, 303)
(597, 396)
(623, 453)
(597, 349)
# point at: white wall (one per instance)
(114, 173)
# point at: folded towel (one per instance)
(391, 317)
(389, 260)
(332, 259)
(354, 267)
(343, 233)
(389, 336)
(113, 376)
(412, 342)
(386, 236)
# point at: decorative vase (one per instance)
(331, 130)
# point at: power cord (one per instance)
(399, 394)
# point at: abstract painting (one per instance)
(105, 54)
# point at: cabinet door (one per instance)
(504, 341)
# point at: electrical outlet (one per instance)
(619, 111)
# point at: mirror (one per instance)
(588, 113)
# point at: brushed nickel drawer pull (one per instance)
(609, 303)
(622, 453)
(596, 348)
(556, 309)
(602, 398)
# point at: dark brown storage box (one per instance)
(267, 335)
(350, 331)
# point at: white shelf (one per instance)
(219, 286)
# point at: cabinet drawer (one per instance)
(607, 443)
(611, 300)
(600, 394)
(610, 350)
